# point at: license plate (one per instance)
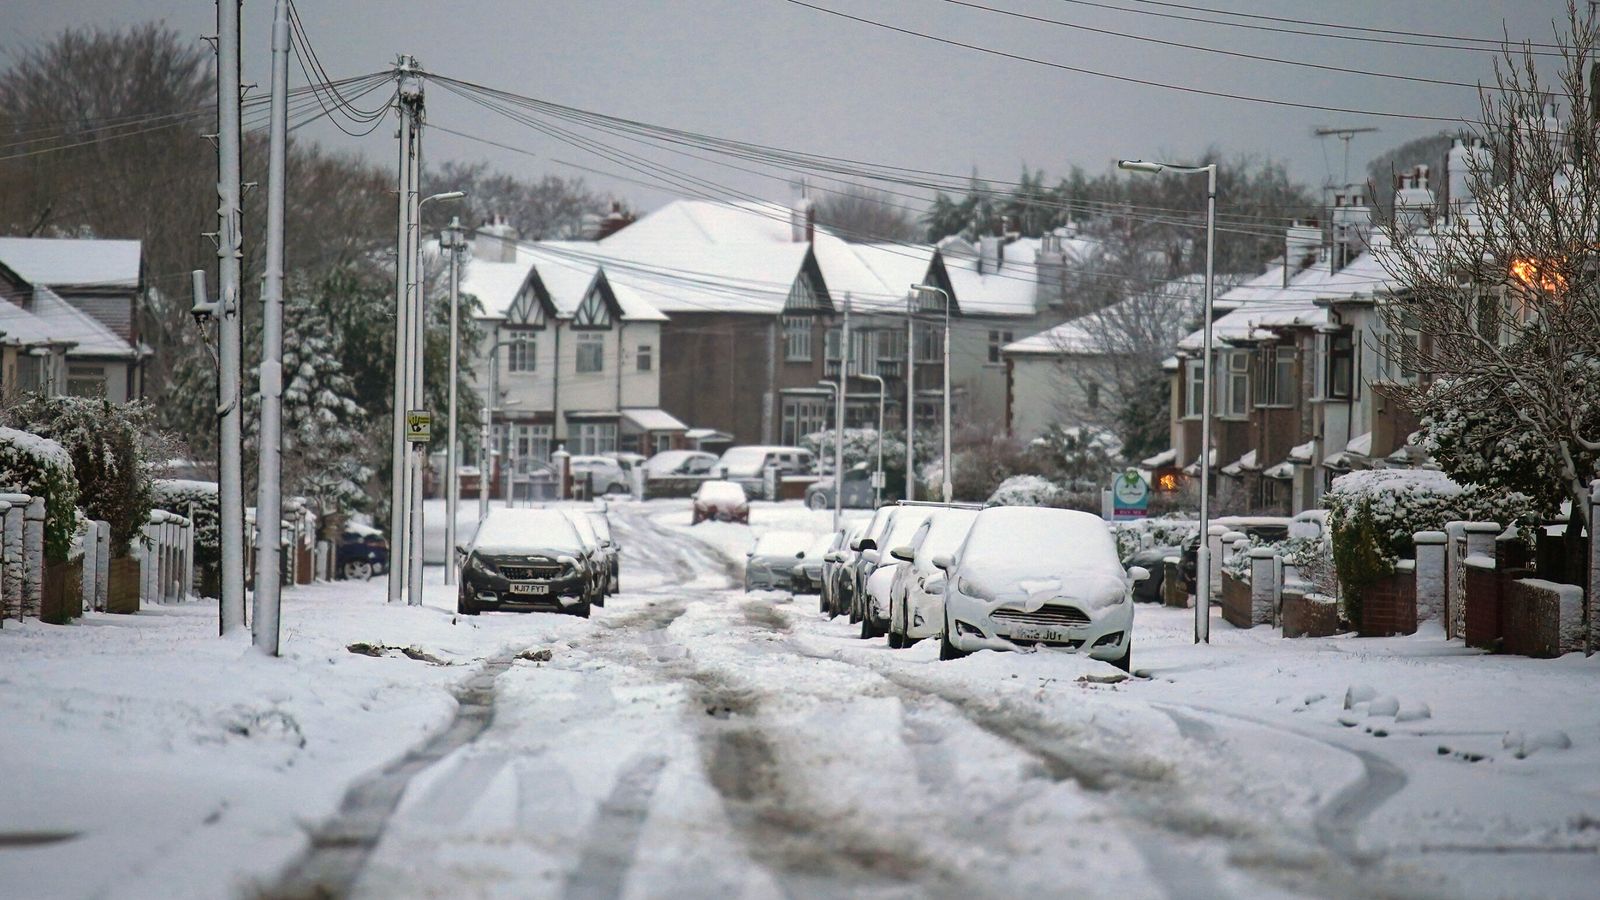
(530, 589)
(1038, 633)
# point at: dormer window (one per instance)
(592, 313)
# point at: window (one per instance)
(595, 438)
(663, 443)
(1235, 385)
(86, 381)
(929, 347)
(863, 352)
(1341, 366)
(997, 340)
(1194, 394)
(1091, 394)
(529, 444)
(522, 354)
(645, 362)
(797, 338)
(803, 416)
(31, 374)
(1275, 380)
(591, 353)
(830, 344)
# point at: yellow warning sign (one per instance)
(419, 426)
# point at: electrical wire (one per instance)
(1129, 79)
(1340, 26)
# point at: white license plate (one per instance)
(530, 589)
(1038, 633)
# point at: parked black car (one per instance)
(363, 552)
(1266, 528)
(526, 560)
(1152, 559)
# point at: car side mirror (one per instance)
(864, 544)
(800, 555)
(461, 549)
(903, 553)
(1138, 573)
(943, 562)
(833, 557)
(870, 556)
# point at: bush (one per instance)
(40, 467)
(1026, 490)
(107, 443)
(200, 497)
(1163, 531)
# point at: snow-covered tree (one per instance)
(1505, 294)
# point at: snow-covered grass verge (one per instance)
(148, 757)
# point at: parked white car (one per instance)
(916, 599)
(1035, 577)
(770, 565)
(875, 590)
(605, 474)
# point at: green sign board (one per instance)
(1130, 496)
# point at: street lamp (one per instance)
(877, 478)
(838, 440)
(452, 240)
(1202, 595)
(946, 466)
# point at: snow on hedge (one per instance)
(1393, 481)
(197, 499)
(1025, 490)
(40, 467)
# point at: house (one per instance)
(570, 353)
(71, 324)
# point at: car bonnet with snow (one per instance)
(775, 555)
(1030, 555)
(523, 531)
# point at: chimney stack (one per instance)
(1351, 220)
(495, 241)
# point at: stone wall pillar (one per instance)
(1430, 551)
(1214, 542)
(102, 563)
(91, 547)
(33, 558)
(10, 563)
(1264, 587)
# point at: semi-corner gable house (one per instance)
(70, 320)
(570, 353)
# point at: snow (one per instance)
(1042, 551)
(72, 262)
(526, 530)
(40, 448)
(1390, 481)
(784, 543)
(720, 492)
(653, 420)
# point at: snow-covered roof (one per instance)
(74, 262)
(1302, 452)
(653, 420)
(51, 320)
(567, 269)
(1245, 463)
(1076, 336)
(1164, 458)
(707, 434)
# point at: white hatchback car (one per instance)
(916, 599)
(1035, 577)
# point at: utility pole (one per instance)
(911, 394)
(453, 244)
(416, 451)
(949, 461)
(838, 419)
(269, 495)
(230, 333)
(877, 476)
(409, 102)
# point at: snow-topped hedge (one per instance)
(1163, 531)
(181, 497)
(40, 467)
(1026, 490)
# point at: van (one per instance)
(747, 466)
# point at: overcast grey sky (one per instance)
(773, 72)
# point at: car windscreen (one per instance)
(601, 525)
(744, 461)
(949, 529)
(720, 492)
(515, 531)
(905, 526)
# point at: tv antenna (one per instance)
(1343, 134)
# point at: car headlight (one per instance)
(476, 564)
(965, 586)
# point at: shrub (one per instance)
(1025, 490)
(200, 497)
(1163, 531)
(40, 467)
(107, 443)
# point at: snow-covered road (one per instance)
(698, 741)
(691, 740)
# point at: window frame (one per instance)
(644, 358)
(591, 349)
(1340, 385)
(796, 338)
(1194, 388)
(522, 350)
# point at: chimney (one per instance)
(1050, 269)
(1462, 160)
(1414, 202)
(495, 241)
(1352, 223)
(1300, 245)
(990, 254)
(615, 221)
(802, 216)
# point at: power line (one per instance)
(1129, 79)
(1340, 26)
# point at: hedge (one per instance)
(200, 497)
(40, 467)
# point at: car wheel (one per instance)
(466, 607)
(896, 642)
(817, 501)
(581, 610)
(357, 570)
(947, 650)
(822, 603)
(1125, 661)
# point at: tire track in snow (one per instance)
(612, 841)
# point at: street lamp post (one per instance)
(1202, 591)
(911, 394)
(452, 241)
(877, 478)
(948, 462)
(838, 449)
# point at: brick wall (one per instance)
(1307, 617)
(1482, 627)
(1236, 601)
(1389, 606)
(1530, 619)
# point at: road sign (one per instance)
(1130, 496)
(419, 426)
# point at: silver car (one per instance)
(770, 565)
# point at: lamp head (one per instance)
(1139, 165)
(447, 195)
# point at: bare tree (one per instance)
(1501, 311)
(548, 208)
(861, 213)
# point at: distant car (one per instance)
(1152, 560)
(721, 501)
(808, 570)
(1038, 577)
(916, 599)
(858, 491)
(770, 565)
(605, 474)
(1266, 528)
(628, 461)
(602, 527)
(363, 552)
(836, 570)
(670, 463)
(597, 553)
(747, 466)
(524, 560)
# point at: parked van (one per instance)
(747, 466)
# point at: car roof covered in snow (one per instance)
(721, 492)
(507, 531)
(585, 528)
(782, 543)
(947, 529)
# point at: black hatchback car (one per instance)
(528, 560)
